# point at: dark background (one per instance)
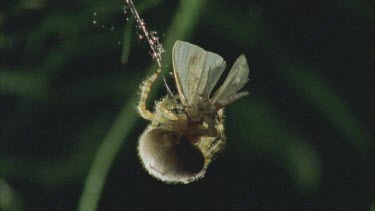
(302, 140)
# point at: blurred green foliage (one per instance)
(69, 79)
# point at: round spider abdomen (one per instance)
(169, 156)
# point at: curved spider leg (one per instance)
(145, 90)
(216, 147)
(217, 144)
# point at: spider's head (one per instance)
(172, 109)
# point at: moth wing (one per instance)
(236, 79)
(215, 65)
(196, 71)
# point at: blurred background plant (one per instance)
(301, 141)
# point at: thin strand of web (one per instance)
(153, 41)
(156, 48)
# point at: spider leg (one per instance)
(145, 90)
(218, 142)
(213, 150)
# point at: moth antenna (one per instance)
(168, 89)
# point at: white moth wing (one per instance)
(196, 71)
(215, 65)
(236, 79)
(188, 66)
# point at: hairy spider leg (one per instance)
(145, 90)
(211, 146)
(163, 114)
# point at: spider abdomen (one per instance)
(169, 156)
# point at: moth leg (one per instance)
(145, 90)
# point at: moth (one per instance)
(187, 129)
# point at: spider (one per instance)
(187, 130)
